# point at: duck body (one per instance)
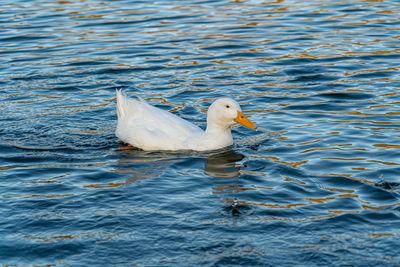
(150, 128)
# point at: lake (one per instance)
(317, 185)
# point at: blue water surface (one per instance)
(317, 184)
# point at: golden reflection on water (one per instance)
(332, 148)
(348, 176)
(384, 162)
(386, 145)
(381, 208)
(278, 160)
(57, 238)
(274, 206)
(40, 196)
(104, 185)
(291, 179)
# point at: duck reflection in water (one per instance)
(223, 164)
(144, 164)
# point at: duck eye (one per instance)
(227, 106)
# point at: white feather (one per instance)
(149, 128)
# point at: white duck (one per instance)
(149, 128)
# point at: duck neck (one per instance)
(218, 137)
(217, 130)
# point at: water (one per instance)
(317, 185)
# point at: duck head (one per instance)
(224, 112)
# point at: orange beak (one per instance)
(241, 118)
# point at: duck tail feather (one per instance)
(121, 103)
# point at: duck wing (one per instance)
(148, 127)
